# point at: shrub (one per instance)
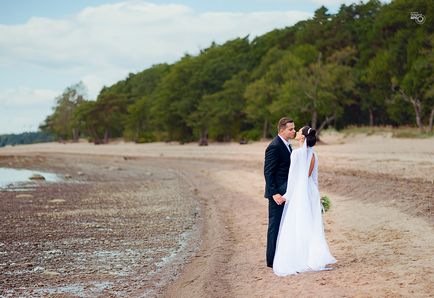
(251, 135)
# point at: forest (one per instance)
(369, 64)
(25, 138)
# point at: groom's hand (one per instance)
(278, 199)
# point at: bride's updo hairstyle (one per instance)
(310, 135)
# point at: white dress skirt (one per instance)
(301, 244)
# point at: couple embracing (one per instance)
(295, 239)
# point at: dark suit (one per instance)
(276, 168)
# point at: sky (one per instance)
(48, 45)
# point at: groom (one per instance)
(276, 168)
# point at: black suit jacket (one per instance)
(276, 168)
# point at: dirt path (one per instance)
(380, 250)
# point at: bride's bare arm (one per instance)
(312, 163)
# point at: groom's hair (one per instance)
(282, 123)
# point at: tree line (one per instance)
(367, 64)
(25, 138)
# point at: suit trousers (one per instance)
(274, 216)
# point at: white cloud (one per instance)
(332, 3)
(129, 35)
(26, 98)
(93, 83)
(23, 109)
(101, 45)
(337, 3)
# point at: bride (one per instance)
(301, 244)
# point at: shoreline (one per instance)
(380, 233)
(103, 256)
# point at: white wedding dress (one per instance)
(301, 244)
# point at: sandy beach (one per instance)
(209, 203)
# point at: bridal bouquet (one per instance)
(325, 203)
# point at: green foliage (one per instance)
(62, 123)
(253, 135)
(25, 138)
(325, 203)
(145, 137)
(367, 64)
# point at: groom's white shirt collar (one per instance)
(285, 142)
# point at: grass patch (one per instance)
(394, 132)
(412, 134)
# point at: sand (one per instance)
(380, 227)
(115, 228)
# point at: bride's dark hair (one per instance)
(310, 135)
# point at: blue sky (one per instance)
(19, 11)
(48, 45)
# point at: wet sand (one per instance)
(115, 228)
(380, 227)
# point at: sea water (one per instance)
(10, 178)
